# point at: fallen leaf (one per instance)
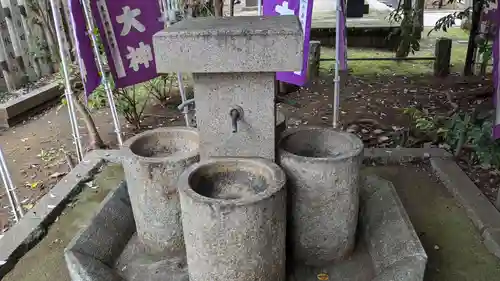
(57, 175)
(383, 138)
(51, 206)
(28, 206)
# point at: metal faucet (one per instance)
(236, 114)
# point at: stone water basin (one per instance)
(387, 246)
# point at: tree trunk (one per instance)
(471, 48)
(406, 31)
(95, 140)
(219, 7)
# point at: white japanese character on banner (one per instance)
(128, 19)
(141, 55)
(283, 9)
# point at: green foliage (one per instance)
(410, 31)
(462, 131)
(161, 88)
(130, 102)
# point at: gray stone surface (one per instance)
(478, 208)
(109, 231)
(32, 227)
(233, 44)
(378, 195)
(492, 241)
(216, 95)
(85, 268)
(136, 263)
(94, 250)
(280, 125)
(234, 220)
(393, 244)
(397, 155)
(12, 111)
(322, 167)
(152, 163)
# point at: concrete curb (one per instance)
(398, 155)
(479, 209)
(32, 228)
(11, 111)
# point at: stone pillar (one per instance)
(322, 168)
(443, 57)
(153, 161)
(234, 220)
(314, 60)
(233, 61)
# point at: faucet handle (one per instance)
(236, 114)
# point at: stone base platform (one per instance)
(388, 247)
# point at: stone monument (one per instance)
(236, 205)
(233, 61)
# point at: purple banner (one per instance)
(343, 37)
(127, 28)
(86, 60)
(302, 9)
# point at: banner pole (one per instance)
(68, 92)
(104, 79)
(336, 92)
(9, 188)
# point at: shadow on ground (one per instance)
(450, 239)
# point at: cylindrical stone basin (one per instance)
(234, 220)
(153, 162)
(322, 167)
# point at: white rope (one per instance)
(10, 189)
(68, 92)
(105, 81)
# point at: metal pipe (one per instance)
(497, 90)
(336, 91)
(68, 92)
(9, 188)
(185, 104)
(383, 59)
(259, 7)
(168, 7)
(183, 99)
(104, 79)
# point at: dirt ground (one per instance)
(35, 148)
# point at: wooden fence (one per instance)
(28, 45)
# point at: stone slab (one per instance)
(32, 227)
(94, 250)
(478, 208)
(216, 95)
(11, 111)
(388, 232)
(397, 155)
(233, 44)
(399, 262)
